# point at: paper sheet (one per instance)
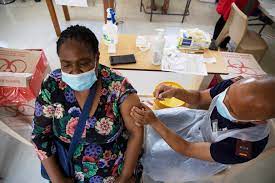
(241, 64)
(81, 3)
(210, 60)
(176, 61)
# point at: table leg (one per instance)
(261, 30)
(53, 17)
(107, 4)
(186, 10)
(151, 12)
(66, 13)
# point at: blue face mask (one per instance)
(80, 82)
(221, 107)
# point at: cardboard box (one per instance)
(21, 74)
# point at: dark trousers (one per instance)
(218, 28)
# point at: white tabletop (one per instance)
(268, 8)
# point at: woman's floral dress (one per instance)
(100, 155)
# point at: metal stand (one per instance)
(4, 2)
(257, 24)
(151, 13)
(265, 21)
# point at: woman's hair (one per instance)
(81, 34)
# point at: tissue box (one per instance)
(21, 74)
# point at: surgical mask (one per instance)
(80, 82)
(221, 107)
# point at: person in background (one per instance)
(164, 8)
(110, 148)
(193, 143)
(223, 8)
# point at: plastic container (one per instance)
(169, 102)
(110, 32)
(158, 46)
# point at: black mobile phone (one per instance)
(123, 59)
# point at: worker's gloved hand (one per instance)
(143, 115)
(164, 91)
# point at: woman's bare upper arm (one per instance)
(125, 109)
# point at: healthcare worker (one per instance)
(186, 144)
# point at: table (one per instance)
(267, 17)
(127, 45)
(268, 8)
(50, 5)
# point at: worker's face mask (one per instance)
(221, 107)
(80, 82)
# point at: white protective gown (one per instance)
(162, 163)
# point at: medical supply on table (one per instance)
(193, 39)
(142, 43)
(168, 102)
(158, 46)
(113, 15)
(110, 31)
(176, 61)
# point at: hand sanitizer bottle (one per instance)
(110, 35)
(158, 46)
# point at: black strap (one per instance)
(82, 121)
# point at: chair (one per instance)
(245, 41)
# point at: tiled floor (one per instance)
(19, 163)
(28, 25)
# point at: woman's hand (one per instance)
(121, 179)
(68, 180)
(64, 180)
(164, 91)
(143, 115)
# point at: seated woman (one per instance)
(111, 144)
(188, 144)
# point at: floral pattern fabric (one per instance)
(99, 157)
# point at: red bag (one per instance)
(21, 75)
(224, 7)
